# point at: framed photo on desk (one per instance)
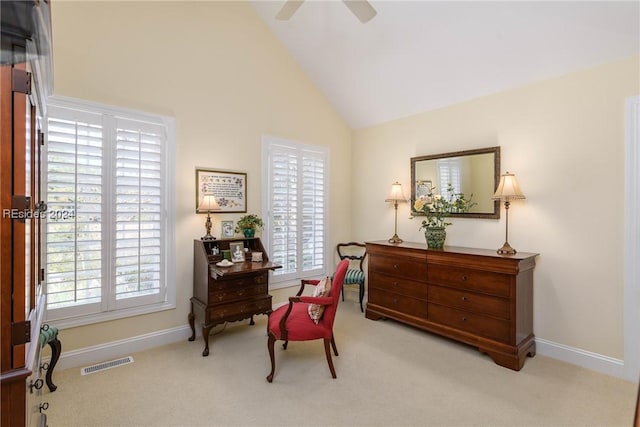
(237, 251)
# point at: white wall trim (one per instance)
(586, 359)
(114, 349)
(632, 240)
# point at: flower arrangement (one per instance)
(438, 207)
(251, 221)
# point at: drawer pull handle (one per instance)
(464, 319)
(37, 384)
(44, 406)
(395, 266)
(464, 278)
(395, 284)
(395, 300)
(463, 298)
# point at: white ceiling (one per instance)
(416, 56)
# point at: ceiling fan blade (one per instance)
(362, 9)
(289, 9)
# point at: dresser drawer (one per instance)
(470, 301)
(476, 280)
(400, 303)
(399, 267)
(406, 287)
(226, 283)
(242, 308)
(237, 293)
(476, 324)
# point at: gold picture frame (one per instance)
(229, 189)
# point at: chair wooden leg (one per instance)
(361, 296)
(333, 344)
(327, 351)
(286, 343)
(270, 344)
(343, 293)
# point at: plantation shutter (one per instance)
(75, 208)
(109, 220)
(138, 211)
(449, 173)
(296, 211)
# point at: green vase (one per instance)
(249, 232)
(435, 237)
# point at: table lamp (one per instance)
(508, 189)
(208, 203)
(396, 197)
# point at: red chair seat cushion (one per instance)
(299, 324)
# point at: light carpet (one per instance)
(389, 374)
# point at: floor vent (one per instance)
(106, 365)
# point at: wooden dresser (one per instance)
(470, 295)
(227, 294)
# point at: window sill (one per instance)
(89, 319)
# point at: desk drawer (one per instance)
(240, 309)
(476, 324)
(400, 303)
(406, 287)
(237, 293)
(476, 280)
(229, 283)
(470, 301)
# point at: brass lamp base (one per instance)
(207, 225)
(395, 239)
(506, 249)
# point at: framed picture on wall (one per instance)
(227, 229)
(229, 189)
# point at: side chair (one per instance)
(293, 322)
(357, 252)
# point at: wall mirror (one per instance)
(474, 172)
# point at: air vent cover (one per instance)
(106, 365)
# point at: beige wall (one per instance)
(220, 72)
(564, 140)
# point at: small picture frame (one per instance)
(237, 251)
(228, 229)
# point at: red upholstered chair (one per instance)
(293, 323)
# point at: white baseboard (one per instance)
(586, 359)
(102, 352)
(112, 350)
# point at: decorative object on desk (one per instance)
(437, 208)
(508, 189)
(256, 256)
(224, 263)
(248, 225)
(396, 197)
(208, 204)
(226, 254)
(229, 188)
(237, 251)
(227, 229)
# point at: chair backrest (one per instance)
(352, 251)
(336, 287)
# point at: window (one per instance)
(448, 174)
(109, 224)
(296, 206)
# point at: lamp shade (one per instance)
(209, 203)
(508, 188)
(396, 195)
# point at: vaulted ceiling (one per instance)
(416, 56)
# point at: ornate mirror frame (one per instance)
(417, 185)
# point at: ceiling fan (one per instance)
(360, 8)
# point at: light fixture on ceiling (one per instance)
(360, 8)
